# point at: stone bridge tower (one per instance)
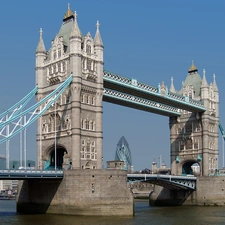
(193, 136)
(73, 127)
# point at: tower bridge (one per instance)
(71, 86)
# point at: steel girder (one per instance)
(14, 124)
(18, 107)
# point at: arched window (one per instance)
(198, 127)
(59, 52)
(88, 49)
(54, 68)
(92, 100)
(211, 145)
(63, 66)
(50, 124)
(188, 128)
(59, 67)
(190, 94)
(82, 124)
(83, 63)
(58, 122)
(49, 70)
(88, 64)
(85, 98)
(91, 125)
(88, 147)
(188, 144)
(87, 124)
(89, 99)
(181, 145)
(196, 145)
(54, 54)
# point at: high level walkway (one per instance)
(115, 82)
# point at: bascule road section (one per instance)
(167, 181)
(132, 93)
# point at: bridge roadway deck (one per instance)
(168, 181)
(25, 174)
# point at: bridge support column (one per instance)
(81, 192)
(161, 196)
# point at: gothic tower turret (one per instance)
(194, 136)
(78, 112)
(40, 57)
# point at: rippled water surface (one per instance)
(144, 214)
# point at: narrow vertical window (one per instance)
(88, 49)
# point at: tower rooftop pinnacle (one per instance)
(192, 68)
(68, 14)
(41, 45)
(98, 39)
(75, 32)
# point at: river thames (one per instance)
(144, 214)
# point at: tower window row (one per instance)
(189, 128)
(88, 151)
(56, 124)
(187, 144)
(59, 67)
(87, 124)
(88, 99)
(57, 52)
(88, 64)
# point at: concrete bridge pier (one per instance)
(210, 191)
(80, 192)
(161, 196)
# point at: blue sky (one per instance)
(151, 41)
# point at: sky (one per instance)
(150, 41)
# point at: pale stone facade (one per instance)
(194, 136)
(77, 115)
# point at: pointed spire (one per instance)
(98, 39)
(214, 83)
(69, 12)
(41, 45)
(75, 32)
(204, 81)
(192, 68)
(172, 89)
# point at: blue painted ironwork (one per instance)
(222, 131)
(33, 112)
(30, 174)
(168, 181)
(18, 107)
(139, 103)
(199, 159)
(115, 82)
(177, 159)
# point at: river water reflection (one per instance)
(144, 214)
